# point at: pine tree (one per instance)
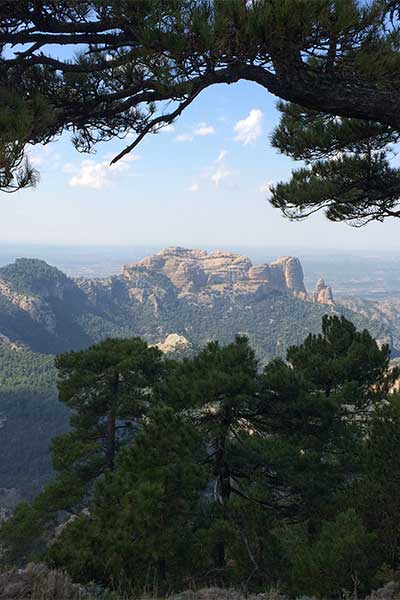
(109, 389)
(338, 58)
(143, 516)
(348, 173)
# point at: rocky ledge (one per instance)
(202, 275)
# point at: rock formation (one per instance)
(173, 342)
(322, 293)
(206, 276)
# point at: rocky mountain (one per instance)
(178, 298)
(386, 312)
(190, 293)
(38, 306)
(202, 277)
(44, 310)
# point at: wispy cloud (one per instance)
(221, 156)
(249, 129)
(220, 171)
(194, 188)
(204, 129)
(201, 130)
(97, 174)
(220, 174)
(184, 137)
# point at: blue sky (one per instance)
(202, 182)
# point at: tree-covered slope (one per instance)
(42, 308)
(43, 312)
(30, 415)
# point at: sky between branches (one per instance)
(201, 181)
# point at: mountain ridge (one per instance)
(57, 313)
(175, 299)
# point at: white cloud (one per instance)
(249, 129)
(221, 156)
(204, 129)
(201, 130)
(97, 174)
(220, 174)
(184, 137)
(219, 171)
(194, 188)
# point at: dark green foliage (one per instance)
(129, 58)
(215, 470)
(151, 499)
(30, 416)
(341, 559)
(219, 387)
(19, 117)
(342, 354)
(376, 495)
(109, 389)
(226, 457)
(348, 171)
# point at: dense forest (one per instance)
(216, 469)
(30, 415)
(60, 314)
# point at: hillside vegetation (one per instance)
(199, 296)
(216, 470)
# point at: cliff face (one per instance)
(39, 305)
(322, 293)
(43, 309)
(204, 277)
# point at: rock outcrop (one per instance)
(36, 307)
(206, 276)
(173, 343)
(322, 293)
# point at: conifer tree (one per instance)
(142, 518)
(348, 173)
(338, 57)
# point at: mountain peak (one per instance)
(207, 275)
(32, 275)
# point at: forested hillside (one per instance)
(43, 312)
(216, 470)
(30, 415)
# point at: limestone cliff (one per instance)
(172, 343)
(322, 293)
(204, 277)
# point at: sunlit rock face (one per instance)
(322, 293)
(207, 276)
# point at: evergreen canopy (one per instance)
(135, 65)
(199, 470)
